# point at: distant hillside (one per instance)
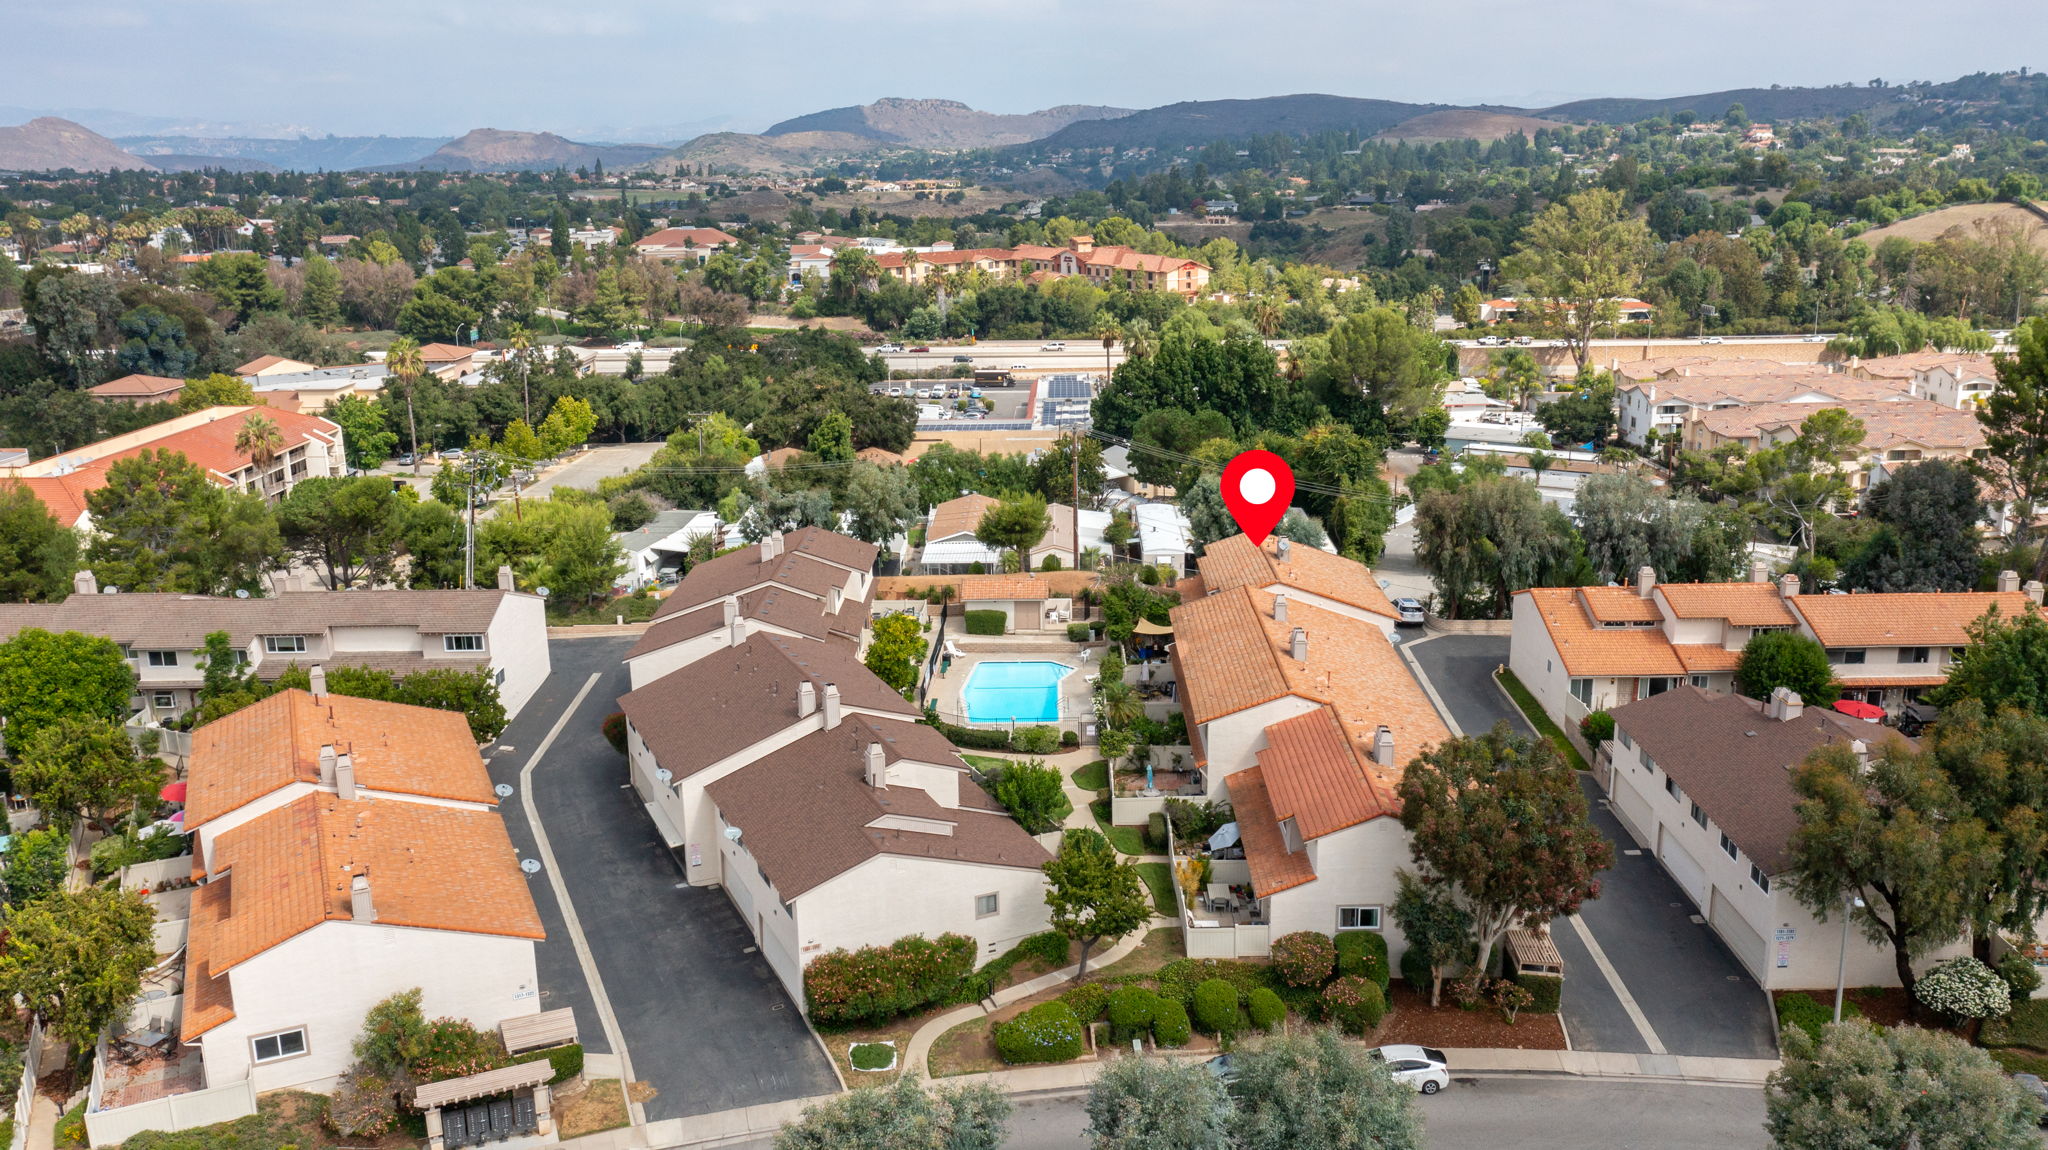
(741, 152)
(1205, 121)
(1925, 227)
(302, 154)
(940, 123)
(1467, 124)
(47, 143)
(496, 150)
(1765, 104)
(175, 162)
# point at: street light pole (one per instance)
(1842, 962)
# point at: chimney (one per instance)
(771, 548)
(2008, 581)
(838, 599)
(327, 765)
(2033, 590)
(806, 699)
(1283, 545)
(877, 768)
(739, 632)
(360, 908)
(85, 582)
(1646, 580)
(831, 705)
(1280, 607)
(345, 778)
(505, 578)
(1297, 645)
(1759, 572)
(1383, 747)
(732, 608)
(1788, 585)
(318, 686)
(1784, 705)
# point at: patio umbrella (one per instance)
(1225, 836)
(177, 816)
(172, 793)
(1868, 712)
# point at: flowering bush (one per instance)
(1364, 952)
(1304, 958)
(878, 982)
(1468, 992)
(362, 1105)
(1510, 996)
(1354, 1003)
(1964, 988)
(1048, 1032)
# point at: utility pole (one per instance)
(1074, 456)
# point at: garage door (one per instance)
(1633, 809)
(1741, 938)
(1690, 874)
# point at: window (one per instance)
(163, 700)
(1582, 690)
(1358, 918)
(1852, 656)
(1699, 681)
(462, 642)
(286, 1044)
(1727, 844)
(285, 644)
(1913, 654)
(163, 658)
(1625, 740)
(1699, 814)
(1671, 787)
(1656, 685)
(1762, 880)
(986, 905)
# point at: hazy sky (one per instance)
(430, 67)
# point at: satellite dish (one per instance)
(241, 593)
(530, 866)
(733, 833)
(664, 774)
(542, 592)
(110, 590)
(503, 790)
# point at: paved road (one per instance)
(1683, 985)
(704, 1019)
(595, 464)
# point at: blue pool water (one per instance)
(1024, 692)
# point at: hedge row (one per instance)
(567, 1061)
(987, 622)
(1545, 991)
(878, 982)
(1049, 947)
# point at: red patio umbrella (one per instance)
(172, 793)
(1868, 712)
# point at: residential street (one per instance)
(1673, 987)
(703, 1019)
(589, 467)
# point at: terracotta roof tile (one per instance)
(1234, 562)
(1705, 658)
(1618, 605)
(1273, 868)
(138, 387)
(989, 587)
(1903, 619)
(1741, 604)
(1588, 649)
(1317, 777)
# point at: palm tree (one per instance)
(1267, 317)
(1121, 705)
(403, 361)
(1111, 333)
(521, 341)
(260, 440)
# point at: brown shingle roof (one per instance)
(1903, 619)
(1885, 423)
(1315, 776)
(804, 810)
(289, 870)
(138, 387)
(181, 622)
(1741, 604)
(262, 748)
(1733, 761)
(813, 561)
(958, 516)
(1265, 852)
(1588, 649)
(733, 698)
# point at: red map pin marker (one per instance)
(1258, 487)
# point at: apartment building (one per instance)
(1895, 432)
(1673, 395)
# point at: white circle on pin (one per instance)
(1256, 485)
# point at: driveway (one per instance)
(587, 468)
(704, 1019)
(1644, 977)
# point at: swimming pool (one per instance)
(1026, 692)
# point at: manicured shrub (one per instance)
(1069, 740)
(1170, 1024)
(1050, 563)
(1962, 987)
(1354, 1004)
(1038, 740)
(615, 731)
(567, 1061)
(878, 982)
(1265, 1008)
(1048, 1032)
(1364, 953)
(1077, 632)
(1544, 992)
(1304, 958)
(1216, 1008)
(1131, 1010)
(1086, 1000)
(1178, 979)
(1155, 830)
(1415, 969)
(1047, 946)
(2021, 975)
(974, 738)
(871, 1056)
(987, 622)
(1802, 1011)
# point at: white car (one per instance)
(632, 345)
(890, 349)
(1417, 1067)
(1710, 339)
(1055, 345)
(1490, 341)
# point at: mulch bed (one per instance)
(1413, 1020)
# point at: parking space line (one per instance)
(584, 958)
(1613, 977)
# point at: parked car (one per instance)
(1408, 612)
(1815, 339)
(1020, 367)
(632, 345)
(404, 460)
(963, 359)
(1417, 1067)
(974, 393)
(1055, 345)
(952, 393)
(1524, 340)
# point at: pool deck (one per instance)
(1076, 692)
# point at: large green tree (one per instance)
(1015, 525)
(1629, 523)
(1864, 1087)
(75, 959)
(48, 677)
(2015, 422)
(1927, 536)
(1773, 659)
(564, 543)
(906, 1115)
(38, 555)
(1489, 536)
(895, 651)
(164, 526)
(366, 440)
(1315, 1091)
(1094, 895)
(2004, 665)
(1578, 258)
(1997, 761)
(881, 499)
(38, 862)
(1392, 367)
(85, 767)
(343, 528)
(1435, 926)
(1148, 1104)
(1498, 819)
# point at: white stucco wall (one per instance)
(327, 978)
(1234, 740)
(890, 896)
(1535, 661)
(517, 643)
(1354, 867)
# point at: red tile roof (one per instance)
(1904, 619)
(1235, 562)
(1273, 867)
(1588, 649)
(1315, 776)
(139, 387)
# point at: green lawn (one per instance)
(984, 762)
(1092, 776)
(1160, 879)
(2027, 1026)
(1540, 719)
(1128, 840)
